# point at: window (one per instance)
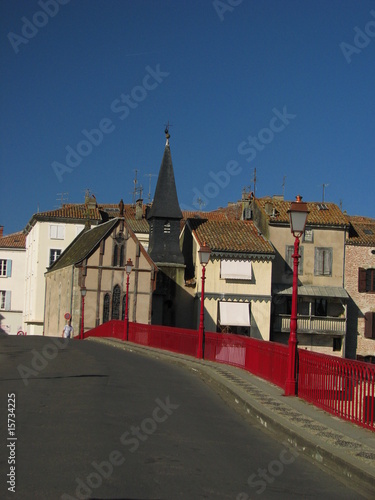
(5, 268)
(235, 269)
(366, 280)
(370, 325)
(323, 261)
(308, 236)
(5, 300)
(235, 317)
(56, 232)
(321, 307)
(116, 302)
(337, 342)
(115, 256)
(106, 308)
(289, 251)
(54, 254)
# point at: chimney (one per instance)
(139, 209)
(1, 231)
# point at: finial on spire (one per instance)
(166, 131)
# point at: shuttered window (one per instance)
(323, 261)
(370, 325)
(289, 251)
(366, 280)
(6, 268)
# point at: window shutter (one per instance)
(327, 262)
(370, 325)
(318, 262)
(9, 268)
(361, 280)
(7, 300)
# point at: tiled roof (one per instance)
(82, 245)
(361, 231)
(14, 240)
(71, 211)
(321, 214)
(230, 236)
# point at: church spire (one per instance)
(165, 214)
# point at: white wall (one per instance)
(11, 319)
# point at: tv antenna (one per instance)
(149, 185)
(61, 199)
(136, 189)
(201, 203)
(283, 185)
(324, 186)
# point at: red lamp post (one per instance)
(83, 295)
(128, 269)
(298, 215)
(204, 256)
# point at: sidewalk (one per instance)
(339, 446)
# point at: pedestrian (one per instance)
(67, 331)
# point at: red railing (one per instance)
(340, 386)
(267, 360)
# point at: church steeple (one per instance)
(165, 214)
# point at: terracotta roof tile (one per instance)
(14, 240)
(230, 236)
(325, 214)
(362, 231)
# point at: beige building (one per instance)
(95, 261)
(238, 277)
(322, 298)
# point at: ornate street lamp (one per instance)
(83, 295)
(128, 269)
(204, 256)
(298, 215)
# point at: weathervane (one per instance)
(166, 131)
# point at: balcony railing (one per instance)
(311, 324)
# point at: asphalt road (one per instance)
(93, 421)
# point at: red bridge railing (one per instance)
(340, 386)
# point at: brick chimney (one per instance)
(1, 231)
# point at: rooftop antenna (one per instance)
(149, 185)
(136, 189)
(201, 203)
(61, 199)
(324, 186)
(254, 180)
(283, 185)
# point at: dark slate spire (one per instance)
(165, 204)
(165, 215)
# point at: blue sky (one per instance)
(286, 87)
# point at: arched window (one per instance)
(123, 307)
(115, 255)
(106, 308)
(122, 256)
(116, 302)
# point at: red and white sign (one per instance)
(67, 316)
(20, 332)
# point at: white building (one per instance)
(12, 281)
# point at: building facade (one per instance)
(12, 282)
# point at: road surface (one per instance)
(93, 421)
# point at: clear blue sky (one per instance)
(221, 72)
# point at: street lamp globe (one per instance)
(129, 266)
(298, 216)
(204, 254)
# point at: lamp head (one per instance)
(298, 216)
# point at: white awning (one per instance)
(235, 269)
(234, 313)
